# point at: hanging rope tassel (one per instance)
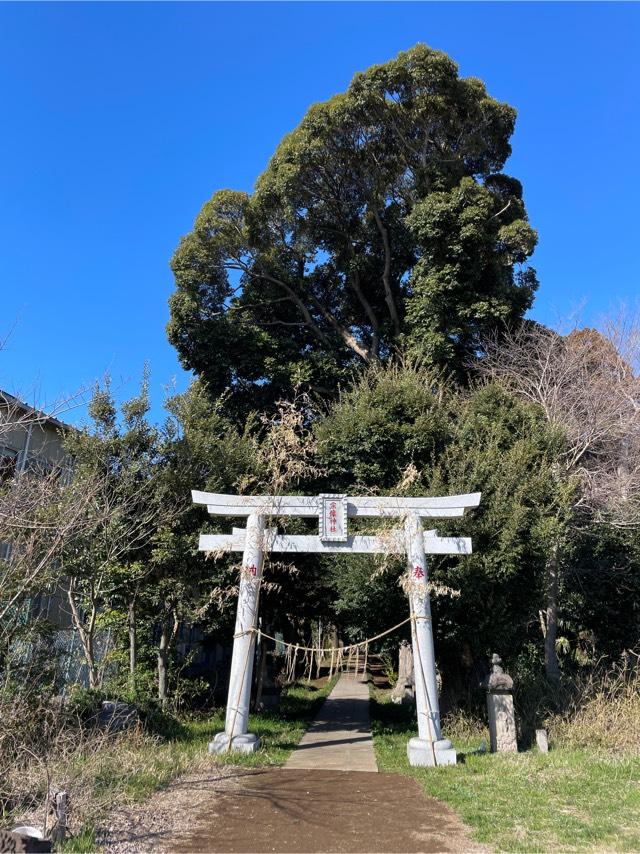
(294, 664)
(287, 665)
(308, 661)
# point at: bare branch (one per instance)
(587, 385)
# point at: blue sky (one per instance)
(119, 120)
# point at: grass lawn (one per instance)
(131, 767)
(566, 799)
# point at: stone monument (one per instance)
(502, 722)
(405, 687)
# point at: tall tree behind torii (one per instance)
(383, 219)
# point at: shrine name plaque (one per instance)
(333, 518)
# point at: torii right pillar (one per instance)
(429, 748)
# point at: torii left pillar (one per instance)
(429, 748)
(235, 736)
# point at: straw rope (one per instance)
(348, 647)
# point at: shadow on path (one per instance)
(330, 811)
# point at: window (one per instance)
(8, 463)
(42, 467)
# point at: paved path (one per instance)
(339, 739)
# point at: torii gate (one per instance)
(333, 511)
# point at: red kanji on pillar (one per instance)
(253, 569)
(418, 572)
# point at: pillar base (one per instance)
(421, 754)
(245, 743)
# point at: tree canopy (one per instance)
(382, 220)
(403, 430)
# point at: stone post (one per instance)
(502, 722)
(235, 736)
(429, 748)
(542, 741)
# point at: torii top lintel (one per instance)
(302, 505)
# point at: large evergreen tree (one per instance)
(383, 219)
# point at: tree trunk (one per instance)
(87, 645)
(163, 658)
(86, 633)
(87, 638)
(133, 641)
(552, 668)
(170, 626)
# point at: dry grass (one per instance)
(604, 711)
(46, 746)
(90, 767)
(465, 727)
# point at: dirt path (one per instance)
(288, 811)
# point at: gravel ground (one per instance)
(154, 824)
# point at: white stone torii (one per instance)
(333, 511)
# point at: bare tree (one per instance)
(33, 523)
(588, 386)
(37, 521)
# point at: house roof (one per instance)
(40, 417)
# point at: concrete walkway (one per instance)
(339, 739)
